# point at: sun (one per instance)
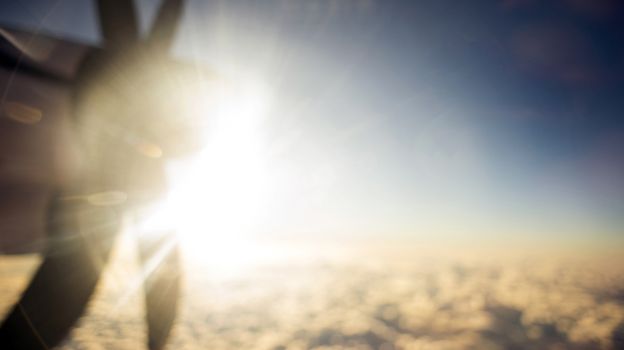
(218, 197)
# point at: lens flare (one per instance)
(218, 197)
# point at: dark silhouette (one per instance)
(120, 120)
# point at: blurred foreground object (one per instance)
(85, 136)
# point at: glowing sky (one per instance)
(417, 118)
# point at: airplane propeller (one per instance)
(81, 233)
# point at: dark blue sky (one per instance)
(503, 115)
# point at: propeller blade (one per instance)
(166, 23)
(118, 22)
(161, 258)
(58, 294)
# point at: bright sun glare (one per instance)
(218, 197)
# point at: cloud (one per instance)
(444, 302)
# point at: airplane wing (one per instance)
(40, 55)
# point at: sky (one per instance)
(419, 119)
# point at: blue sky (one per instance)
(421, 117)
